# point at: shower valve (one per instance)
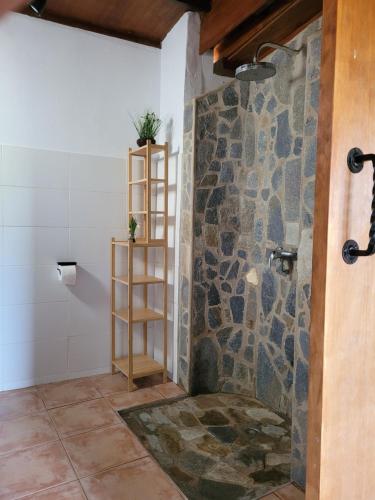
(287, 257)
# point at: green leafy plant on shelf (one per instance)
(147, 126)
(132, 228)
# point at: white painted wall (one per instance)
(66, 94)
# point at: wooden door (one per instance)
(341, 435)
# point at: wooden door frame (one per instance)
(342, 211)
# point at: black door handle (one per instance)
(351, 250)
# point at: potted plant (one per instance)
(147, 126)
(132, 228)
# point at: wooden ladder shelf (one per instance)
(142, 365)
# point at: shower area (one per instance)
(246, 230)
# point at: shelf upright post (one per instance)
(113, 304)
(165, 298)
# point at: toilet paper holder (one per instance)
(60, 271)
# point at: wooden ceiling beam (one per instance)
(197, 5)
(277, 25)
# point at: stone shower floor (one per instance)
(220, 446)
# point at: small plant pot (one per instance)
(143, 142)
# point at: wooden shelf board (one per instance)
(139, 279)
(139, 181)
(155, 148)
(143, 366)
(140, 315)
(140, 243)
(137, 212)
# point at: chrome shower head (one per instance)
(258, 71)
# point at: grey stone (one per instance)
(242, 254)
(237, 304)
(206, 126)
(223, 128)
(271, 105)
(217, 490)
(233, 273)
(213, 296)
(236, 150)
(301, 382)
(240, 287)
(205, 152)
(211, 274)
(223, 335)
(224, 266)
(230, 97)
(236, 341)
(227, 242)
(201, 200)
(215, 166)
(209, 180)
(249, 140)
(268, 291)
(289, 349)
(214, 317)
(277, 331)
(198, 315)
(314, 95)
(290, 305)
(259, 103)
(268, 387)
(212, 98)
(292, 190)
(244, 94)
(262, 143)
(298, 143)
(275, 227)
(236, 132)
(228, 365)
(221, 149)
(210, 258)
(225, 434)
(226, 287)
(256, 254)
(197, 269)
(298, 108)
(304, 342)
(265, 194)
(310, 126)
(217, 197)
(258, 231)
(211, 216)
(283, 136)
(277, 178)
(249, 354)
(309, 195)
(230, 114)
(310, 159)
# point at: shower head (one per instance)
(258, 71)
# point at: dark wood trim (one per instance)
(197, 5)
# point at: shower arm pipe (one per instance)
(273, 45)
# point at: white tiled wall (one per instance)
(56, 206)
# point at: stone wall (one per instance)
(251, 188)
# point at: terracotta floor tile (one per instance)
(140, 480)
(27, 431)
(68, 392)
(169, 390)
(29, 471)
(123, 400)
(20, 403)
(150, 381)
(102, 449)
(69, 491)
(289, 492)
(83, 417)
(110, 384)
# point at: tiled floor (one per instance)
(65, 441)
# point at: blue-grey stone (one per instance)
(268, 387)
(211, 216)
(265, 194)
(288, 381)
(236, 341)
(230, 97)
(197, 269)
(298, 108)
(213, 296)
(306, 289)
(283, 136)
(251, 339)
(277, 178)
(214, 317)
(298, 143)
(258, 231)
(233, 273)
(290, 305)
(251, 193)
(205, 367)
(309, 195)
(197, 227)
(223, 335)
(310, 126)
(215, 166)
(224, 266)
(244, 94)
(240, 287)
(226, 174)
(235, 223)
(252, 180)
(277, 331)
(271, 105)
(205, 152)
(256, 254)
(228, 365)
(223, 128)
(289, 349)
(226, 287)
(304, 343)
(268, 291)
(237, 304)
(201, 200)
(206, 126)
(198, 315)
(275, 227)
(314, 96)
(202, 105)
(292, 190)
(236, 131)
(212, 98)
(310, 159)
(211, 274)
(242, 254)
(301, 382)
(249, 353)
(273, 132)
(221, 148)
(262, 143)
(307, 219)
(250, 140)
(210, 258)
(217, 197)
(233, 189)
(227, 242)
(246, 267)
(229, 114)
(259, 102)
(236, 150)
(209, 180)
